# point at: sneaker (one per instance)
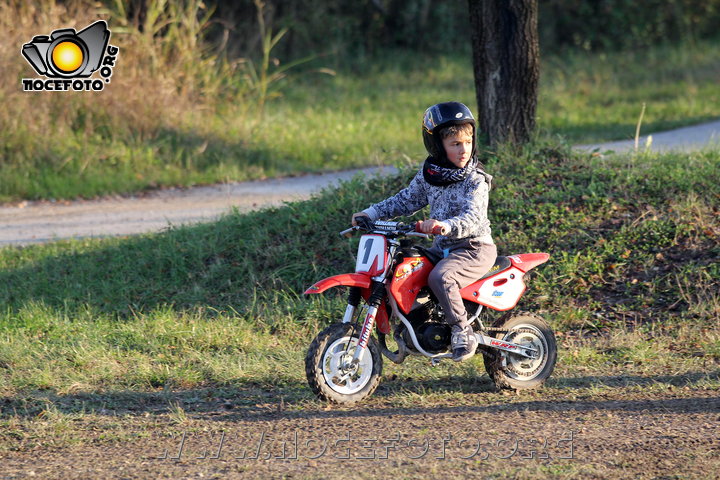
(463, 343)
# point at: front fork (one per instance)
(353, 302)
(378, 291)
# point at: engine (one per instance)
(432, 332)
(434, 337)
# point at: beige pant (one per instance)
(466, 263)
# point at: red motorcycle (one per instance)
(344, 361)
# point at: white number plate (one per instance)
(372, 255)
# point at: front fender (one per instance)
(342, 280)
(354, 280)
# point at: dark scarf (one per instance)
(441, 175)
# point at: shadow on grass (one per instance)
(99, 166)
(223, 265)
(117, 276)
(255, 401)
(250, 158)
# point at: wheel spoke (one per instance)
(333, 367)
(358, 380)
(347, 381)
(522, 368)
(336, 362)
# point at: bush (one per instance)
(618, 24)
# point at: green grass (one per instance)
(631, 289)
(598, 97)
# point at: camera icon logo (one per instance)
(65, 55)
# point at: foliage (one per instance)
(369, 26)
(351, 30)
(626, 24)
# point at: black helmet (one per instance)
(440, 116)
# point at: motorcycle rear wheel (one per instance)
(329, 372)
(512, 371)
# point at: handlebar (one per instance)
(389, 228)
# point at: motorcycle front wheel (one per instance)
(329, 369)
(512, 371)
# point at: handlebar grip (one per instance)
(362, 221)
(437, 229)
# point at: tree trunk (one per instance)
(506, 63)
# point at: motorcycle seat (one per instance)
(432, 256)
(501, 263)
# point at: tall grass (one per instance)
(127, 137)
(179, 111)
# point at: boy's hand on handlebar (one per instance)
(359, 214)
(432, 226)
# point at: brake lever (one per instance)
(346, 233)
(410, 230)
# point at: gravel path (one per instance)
(681, 139)
(38, 222)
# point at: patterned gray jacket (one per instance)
(462, 206)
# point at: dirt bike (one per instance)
(344, 362)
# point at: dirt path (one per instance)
(681, 139)
(36, 222)
(659, 435)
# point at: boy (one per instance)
(452, 182)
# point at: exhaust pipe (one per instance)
(395, 357)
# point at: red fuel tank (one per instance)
(409, 277)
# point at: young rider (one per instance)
(453, 183)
